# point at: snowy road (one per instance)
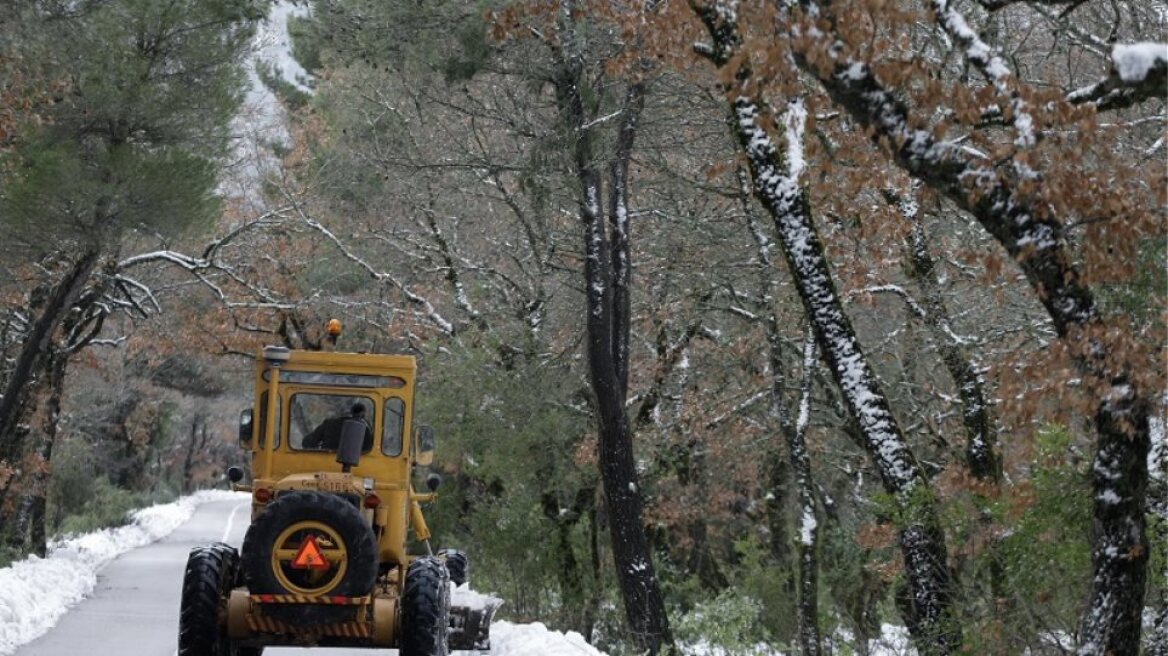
(134, 609)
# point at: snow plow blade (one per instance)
(470, 619)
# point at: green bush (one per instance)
(82, 500)
(729, 624)
(773, 586)
(108, 506)
(1047, 554)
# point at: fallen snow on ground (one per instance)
(462, 595)
(706, 649)
(893, 641)
(509, 639)
(36, 592)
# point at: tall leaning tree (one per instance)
(927, 601)
(142, 95)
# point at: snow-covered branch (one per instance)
(984, 57)
(1139, 72)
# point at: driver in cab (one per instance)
(327, 436)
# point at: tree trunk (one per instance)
(28, 532)
(1158, 507)
(809, 636)
(59, 363)
(921, 538)
(194, 447)
(14, 404)
(1119, 549)
(606, 276)
(980, 429)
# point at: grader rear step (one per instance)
(325, 560)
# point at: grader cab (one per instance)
(327, 558)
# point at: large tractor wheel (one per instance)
(328, 528)
(208, 580)
(425, 609)
(457, 564)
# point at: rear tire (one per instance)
(457, 564)
(207, 582)
(330, 510)
(425, 609)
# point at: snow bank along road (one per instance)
(133, 609)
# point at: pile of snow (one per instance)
(894, 640)
(36, 592)
(509, 639)
(462, 595)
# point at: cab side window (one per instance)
(393, 422)
(263, 423)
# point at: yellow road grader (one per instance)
(325, 561)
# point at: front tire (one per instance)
(207, 582)
(425, 609)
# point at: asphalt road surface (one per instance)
(133, 611)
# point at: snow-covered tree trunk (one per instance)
(1034, 237)
(929, 613)
(606, 276)
(1158, 506)
(809, 637)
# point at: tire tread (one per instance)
(425, 608)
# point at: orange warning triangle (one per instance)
(309, 556)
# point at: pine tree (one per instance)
(142, 94)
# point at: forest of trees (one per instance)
(756, 325)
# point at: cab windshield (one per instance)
(315, 420)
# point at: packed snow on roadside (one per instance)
(36, 592)
(509, 639)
